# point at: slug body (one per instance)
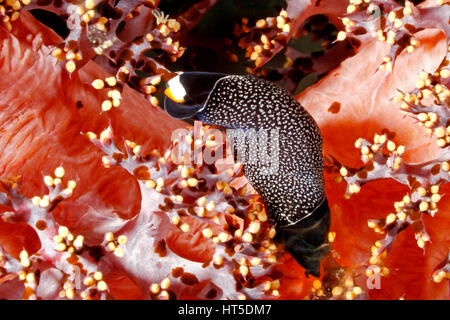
(294, 194)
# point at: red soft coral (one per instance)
(372, 106)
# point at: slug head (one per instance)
(187, 93)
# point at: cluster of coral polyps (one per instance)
(62, 259)
(267, 36)
(396, 25)
(383, 159)
(389, 102)
(132, 39)
(178, 200)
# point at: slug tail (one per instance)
(307, 240)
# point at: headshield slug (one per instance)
(294, 193)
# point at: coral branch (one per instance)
(392, 23)
(192, 16)
(443, 270)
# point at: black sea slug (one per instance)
(293, 192)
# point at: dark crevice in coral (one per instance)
(416, 2)
(314, 44)
(174, 7)
(51, 20)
